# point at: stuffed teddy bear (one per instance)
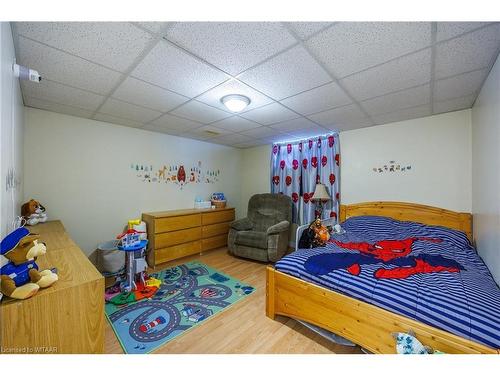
(20, 277)
(33, 212)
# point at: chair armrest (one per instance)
(282, 226)
(242, 224)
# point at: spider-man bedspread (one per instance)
(427, 273)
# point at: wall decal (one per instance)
(178, 174)
(392, 167)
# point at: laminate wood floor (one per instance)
(243, 327)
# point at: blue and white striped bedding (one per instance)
(466, 303)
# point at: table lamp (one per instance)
(320, 197)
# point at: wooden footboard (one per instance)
(362, 323)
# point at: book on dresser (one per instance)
(178, 233)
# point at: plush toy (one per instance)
(322, 233)
(33, 212)
(20, 277)
(316, 235)
(407, 343)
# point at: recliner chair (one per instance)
(263, 234)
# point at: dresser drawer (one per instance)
(177, 251)
(217, 217)
(167, 224)
(214, 242)
(177, 237)
(214, 229)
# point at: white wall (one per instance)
(255, 176)
(438, 148)
(11, 132)
(486, 171)
(80, 170)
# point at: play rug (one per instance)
(190, 293)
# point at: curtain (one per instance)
(297, 167)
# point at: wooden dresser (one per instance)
(67, 317)
(179, 233)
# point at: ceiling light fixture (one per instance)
(235, 103)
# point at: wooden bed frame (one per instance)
(365, 324)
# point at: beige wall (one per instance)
(11, 133)
(486, 171)
(438, 148)
(80, 170)
(255, 176)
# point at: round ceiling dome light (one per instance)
(235, 103)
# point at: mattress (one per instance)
(428, 273)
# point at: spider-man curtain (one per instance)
(297, 167)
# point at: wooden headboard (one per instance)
(419, 213)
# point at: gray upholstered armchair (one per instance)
(263, 234)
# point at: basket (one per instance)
(219, 204)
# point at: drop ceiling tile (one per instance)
(236, 124)
(318, 99)
(312, 131)
(58, 93)
(296, 124)
(287, 74)
(113, 44)
(459, 86)
(262, 132)
(399, 100)
(249, 144)
(128, 111)
(196, 134)
(64, 68)
(161, 129)
(270, 114)
(176, 123)
(56, 107)
(231, 139)
(304, 30)
(117, 120)
(169, 67)
(200, 112)
(472, 51)
(405, 114)
(349, 47)
(399, 74)
(447, 30)
(280, 138)
(155, 27)
(454, 104)
(339, 115)
(213, 97)
(232, 46)
(144, 94)
(214, 129)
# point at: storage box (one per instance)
(202, 205)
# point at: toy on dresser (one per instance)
(20, 277)
(33, 212)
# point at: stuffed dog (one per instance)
(33, 212)
(19, 274)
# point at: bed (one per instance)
(439, 288)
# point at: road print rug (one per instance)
(189, 294)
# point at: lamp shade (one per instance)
(321, 193)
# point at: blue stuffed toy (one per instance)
(20, 277)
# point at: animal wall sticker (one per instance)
(392, 167)
(178, 174)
